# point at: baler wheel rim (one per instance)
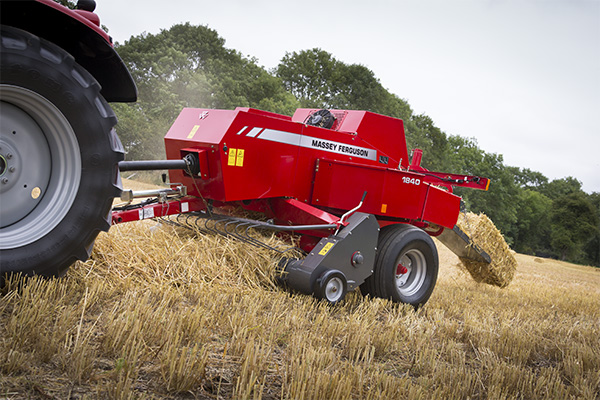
(331, 286)
(334, 289)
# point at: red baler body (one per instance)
(248, 155)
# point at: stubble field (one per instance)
(161, 312)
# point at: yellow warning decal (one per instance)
(326, 249)
(383, 208)
(231, 159)
(239, 162)
(193, 131)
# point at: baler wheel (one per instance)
(406, 266)
(60, 157)
(331, 286)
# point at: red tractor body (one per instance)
(78, 32)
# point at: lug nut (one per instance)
(4, 180)
(8, 156)
(12, 169)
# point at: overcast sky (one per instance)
(522, 77)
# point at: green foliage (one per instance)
(312, 76)
(574, 220)
(527, 178)
(67, 3)
(188, 66)
(592, 247)
(499, 201)
(533, 223)
(318, 80)
(140, 132)
(433, 142)
(560, 187)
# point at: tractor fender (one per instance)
(76, 33)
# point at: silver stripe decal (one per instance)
(280, 137)
(254, 132)
(242, 130)
(310, 142)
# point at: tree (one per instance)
(188, 66)
(434, 143)
(312, 76)
(527, 178)
(592, 247)
(560, 187)
(574, 221)
(533, 223)
(318, 80)
(499, 203)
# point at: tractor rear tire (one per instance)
(59, 157)
(406, 266)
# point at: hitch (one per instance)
(161, 194)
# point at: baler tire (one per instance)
(331, 286)
(54, 119)
(368, 287)
(405, 244)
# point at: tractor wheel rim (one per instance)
(41, 166)
(334, 289)
(411, 282)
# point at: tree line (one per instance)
(189, 66)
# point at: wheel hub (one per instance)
(3, 164)
(334, 289)
(21, 188)
(403, 271)
(410, 272)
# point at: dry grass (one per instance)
(160, 313)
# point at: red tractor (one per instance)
(341, 180)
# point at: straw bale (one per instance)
(484, 234)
